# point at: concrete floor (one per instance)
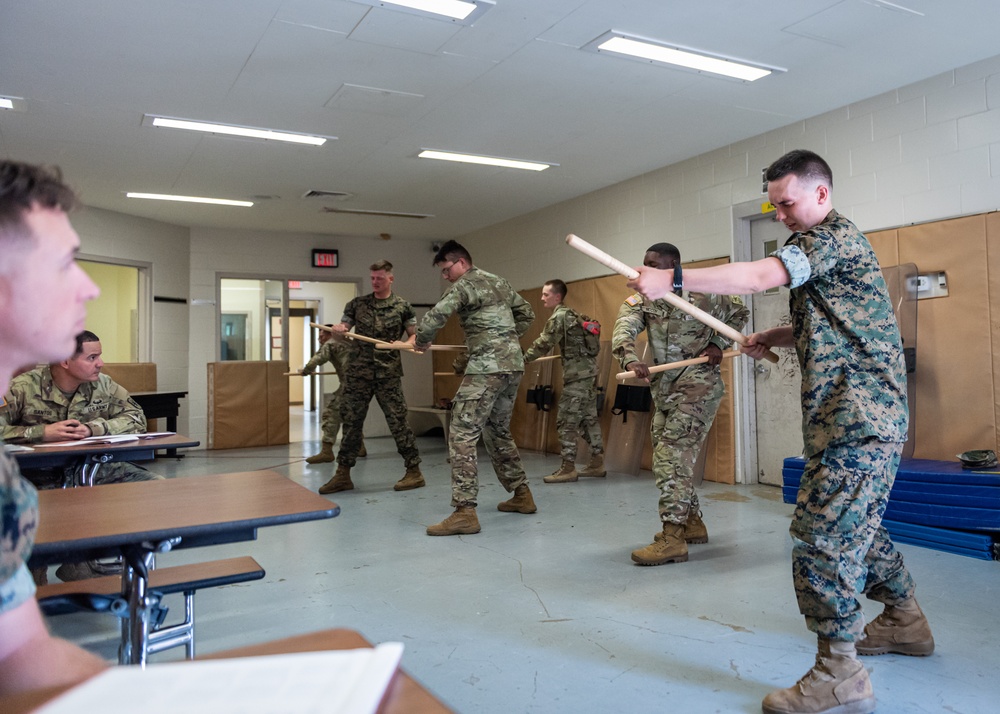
(546, 612)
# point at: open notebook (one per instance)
(332, 682)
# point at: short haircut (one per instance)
(802, 163)
(83, 338)
(22, 188)
(667, 250)
(381, 265)
(558, 286)
(453, 251)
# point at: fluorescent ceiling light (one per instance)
(6, 103)
(189, 199)
(461, 11)
(484, 160)
(654, 51)
(229, 130)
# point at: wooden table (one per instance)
(404, 696)
(91, 455)
(161, 405)
(136, 520)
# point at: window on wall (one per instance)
(245, 328)
(119, 315)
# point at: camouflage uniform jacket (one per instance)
(18, 522)
(563, 328)
(492, 315)
(673, 334)
(384, 320)
(34, 400)
(846, 338)
(337, 352)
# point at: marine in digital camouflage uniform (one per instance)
(18, 522)
(45, 292)
(493, 316)
(382, 315)
(685, 400)
(577, 410)
(854, 424)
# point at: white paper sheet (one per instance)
(331, 682)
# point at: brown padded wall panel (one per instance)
(993, 263)
(134, 376)
(237, 404)
(955, 403)
(277, 403)
(886, 246)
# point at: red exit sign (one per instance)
(324, 258)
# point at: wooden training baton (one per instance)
(407, 347)
(619, 267)
(311, 374)
(622, 376)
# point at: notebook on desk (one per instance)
(331, 682)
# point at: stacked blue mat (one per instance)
(934, 504)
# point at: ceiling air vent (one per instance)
(330, 195)
(387, 214)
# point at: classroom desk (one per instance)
(91, 455)
(137, 520)
(161, 405)
(404, 695)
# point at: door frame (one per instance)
(745, 386)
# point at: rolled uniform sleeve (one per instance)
(796, 263)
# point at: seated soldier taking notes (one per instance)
(68, 401)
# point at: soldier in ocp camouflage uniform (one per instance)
(577, 414)
(67, 401)
(493, 316)
(854, 425)
(685, 400)
(385, 316)
(334, 350)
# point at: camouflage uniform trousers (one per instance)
(116, 472)
(577, 417)
(331, 417)
(482, 407)
(354, 403)
(681, 421)
(839, 547)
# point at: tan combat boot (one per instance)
(324, 456)
(462, 522)
(564, 474)
(838, 682)
(594, 467)
(341, 481)
(522, 502)
(695, 530)
(411, 479)
(671, 548)
(362, 452)
(901, 629)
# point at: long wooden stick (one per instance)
(407, 347)
(619, 267)
(311, 374)
(622, 376)
(349, 335)
(546, 358)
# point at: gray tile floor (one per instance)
(546, 613)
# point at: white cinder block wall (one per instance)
(924, 152)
